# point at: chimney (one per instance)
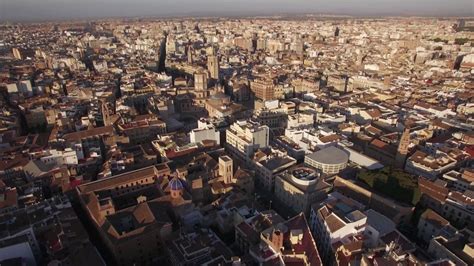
(277, 239)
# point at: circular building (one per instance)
(304, 176)
(330, 160)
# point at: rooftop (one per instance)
(330, 155)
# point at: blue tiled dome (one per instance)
(176, 184)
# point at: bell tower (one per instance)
(402, 150)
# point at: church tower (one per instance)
(402, 150)
(213, 66)
(226, 169)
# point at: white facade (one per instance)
(245, 138)
(204, 131)
(68, 157)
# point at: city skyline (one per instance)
(28, 10)
(236, 133)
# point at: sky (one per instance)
(31, 10)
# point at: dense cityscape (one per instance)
(272, 140)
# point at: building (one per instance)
(247, 232)
(340, 221)
(330, 160)
(46, 232)
(395, 211)
(267, 167)
(243, 138)
(213, 66)
(8, 195)
(88, 141)
(340, 83)
(205, 131)
(402, 150)
(263, 89)
(429, 165)
(143, 130)
(430, 225)
(36, 118)
(200, 83)
(220, 106)
(457, 247)
(300, 121)
(456, 207)
(291, 147)
(244, 179)
(226, 169)
(459, 181)
(286, 243)
(276, 118)
(299, 187)
(199, 248)
(130, 213)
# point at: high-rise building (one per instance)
(162, 56)
(170, 44)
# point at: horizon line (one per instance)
(256, 15)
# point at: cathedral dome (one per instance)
(176, 184)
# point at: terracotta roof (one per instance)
(98, 131)
(433, 190)
(10, 198)
(330, 138)
(374, 113)
(334, 223)
(379, 144)
(434, 218)
(115, 181)
(308, 245)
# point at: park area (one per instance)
(393, 183)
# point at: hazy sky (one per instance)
(63, 9)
